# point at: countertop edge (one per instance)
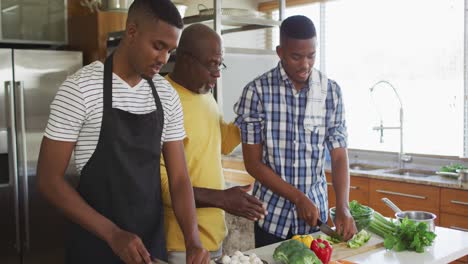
(436, 180)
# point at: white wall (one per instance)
(242, 68)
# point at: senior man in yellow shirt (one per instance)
(198, 63)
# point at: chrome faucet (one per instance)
(402, 157)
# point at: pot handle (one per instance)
(391, 205)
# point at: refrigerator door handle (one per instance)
(13, 159)
(23, 159)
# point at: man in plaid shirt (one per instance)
(287, 117)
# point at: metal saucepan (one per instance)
(415, 216)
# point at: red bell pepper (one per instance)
(322, 249)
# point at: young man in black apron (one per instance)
(117, 117)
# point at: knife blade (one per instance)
(327, 230)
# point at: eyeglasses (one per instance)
(212, 70)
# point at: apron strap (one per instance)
(108, 85)
(157, 100)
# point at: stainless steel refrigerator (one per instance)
(31, 230)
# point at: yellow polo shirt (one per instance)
(207, 137)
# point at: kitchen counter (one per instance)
(448, 246)
(434, 180)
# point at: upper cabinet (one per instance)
(33, 21)
(89, 29)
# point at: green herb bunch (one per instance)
(407, 235)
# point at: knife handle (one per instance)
(319, 222)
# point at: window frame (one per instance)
(271, 6)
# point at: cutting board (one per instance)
(341, 251)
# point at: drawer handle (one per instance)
(458, 202)
(403, 194)
(459, 228)
(351, 187)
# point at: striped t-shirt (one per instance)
(76, 111)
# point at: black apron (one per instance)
(122, 180)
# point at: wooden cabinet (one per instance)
(454, 211)
(453, 221)
(406, 196)
(88, 31)
(460, 261)
(358, 190)
(454, 201)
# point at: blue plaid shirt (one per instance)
(272, 112)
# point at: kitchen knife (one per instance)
(327, 230)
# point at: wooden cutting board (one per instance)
(341, 251)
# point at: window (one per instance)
(417, 46)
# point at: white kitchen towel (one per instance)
(315, 108)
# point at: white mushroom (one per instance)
(226, 260)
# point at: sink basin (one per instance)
(412, 172)
(365, 167)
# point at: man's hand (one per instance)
(238, 202)
(129, 247)
(197, 255)
(307, 210)
(344, 223)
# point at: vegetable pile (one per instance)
(407, 235)
(295, 252)
(357, 209)
(452, 168)
(356, 241)
(359, 239)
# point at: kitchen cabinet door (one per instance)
(406, 196)
(358, 190)
(33, 21)
(454, 201)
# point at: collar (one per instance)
(288, 83)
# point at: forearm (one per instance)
(182, 197)
(340, 177)
(205, 197)
(67, 199)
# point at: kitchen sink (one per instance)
(365, 167)
(412, 172)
